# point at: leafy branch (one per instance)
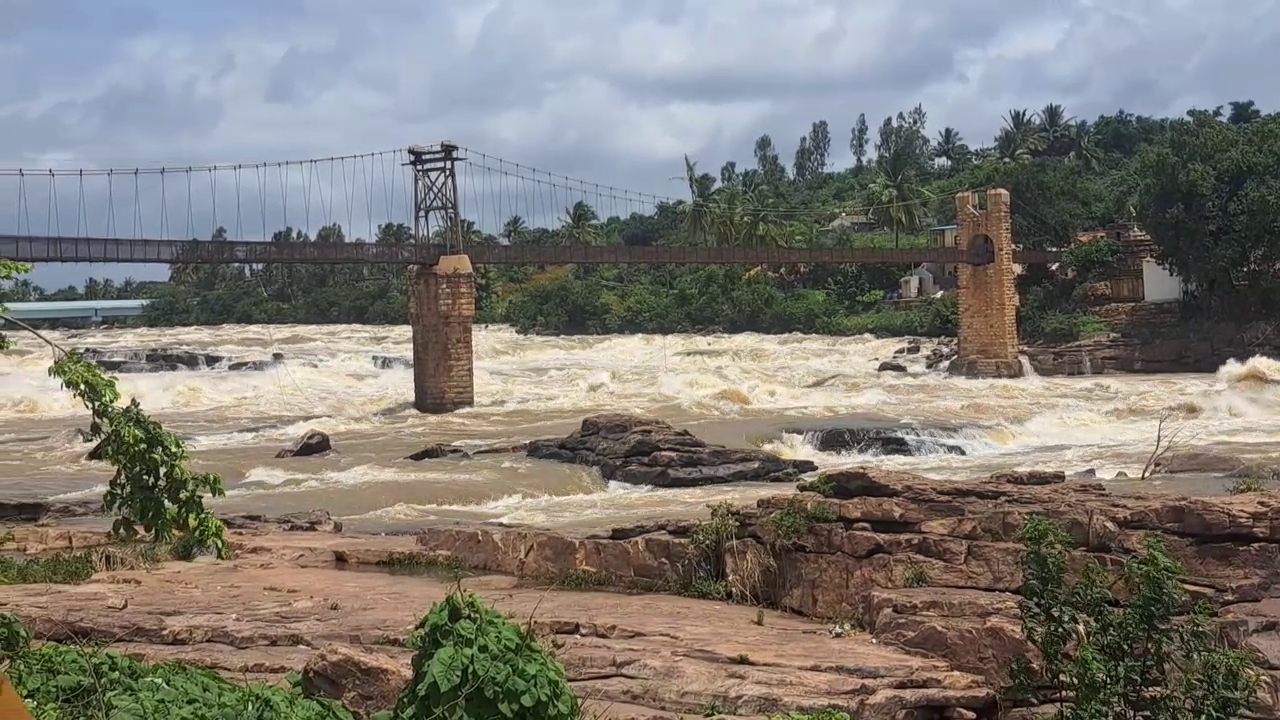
(153, 491)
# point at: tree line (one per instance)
(1202, 186)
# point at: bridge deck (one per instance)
(123, 250)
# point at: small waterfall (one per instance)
(1028, 370)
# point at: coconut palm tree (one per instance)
(1021, 127)
(695, 215)
(950, 147)
(580, 225)
(1081, 143)
(1053, 126)
(1011, 147)
(514, 229)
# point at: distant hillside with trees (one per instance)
(1204, 186)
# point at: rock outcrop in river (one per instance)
(645, 451)
(157, 360)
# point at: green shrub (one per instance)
(1126, 647)
(471, 662)
(61, 682)
(1094, 259)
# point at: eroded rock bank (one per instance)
(294, 601)
(911, 585)
(1153, 339)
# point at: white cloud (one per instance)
(610, 90)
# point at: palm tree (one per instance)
(695, 214)
(1023, 129)
(950, 147)
(1011, 147)
(897, 202)
(1081, 142)
(581, 224)
(1053, 126)
(514, 229)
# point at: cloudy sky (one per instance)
(611, 91)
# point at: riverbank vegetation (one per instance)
(1198, 184)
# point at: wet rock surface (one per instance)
(311, 521)
(313, 442)
(943, 350)
(438, 451)
(1171, 345)
(646, 451)
(391, 362)
(156, 360)
(1195, 462)
(874, 441)
(40, 511)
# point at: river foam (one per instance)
(735, 389)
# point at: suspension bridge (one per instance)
(442, 209)
(221, 214)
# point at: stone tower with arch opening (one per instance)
(988, 294)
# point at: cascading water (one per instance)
(726, 389)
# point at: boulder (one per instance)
(443, 450)
(252, 365)
(1192, 461)
(1030, 477)
(890, 366)
(871, 440)
(42, 511)
(437, 451)
(311, 521)
(391, 362)
(364, 682)
(939, 355)
(313, 442)
(645, 451)
(151, 360)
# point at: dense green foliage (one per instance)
(1126, 647)
(1205, 186)
(472, 662)
(57, 568)
(9, 271)
(61, 682)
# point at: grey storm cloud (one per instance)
(611, 91)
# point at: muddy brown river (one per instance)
(733, 389)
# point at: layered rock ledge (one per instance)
(297, 600)
(910, 586)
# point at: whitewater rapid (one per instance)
(733, 389)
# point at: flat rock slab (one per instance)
(265, 615)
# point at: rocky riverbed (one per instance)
(898, 595)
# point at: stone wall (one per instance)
(442, 308)
(988, 294)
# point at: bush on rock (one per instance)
(472, 662)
